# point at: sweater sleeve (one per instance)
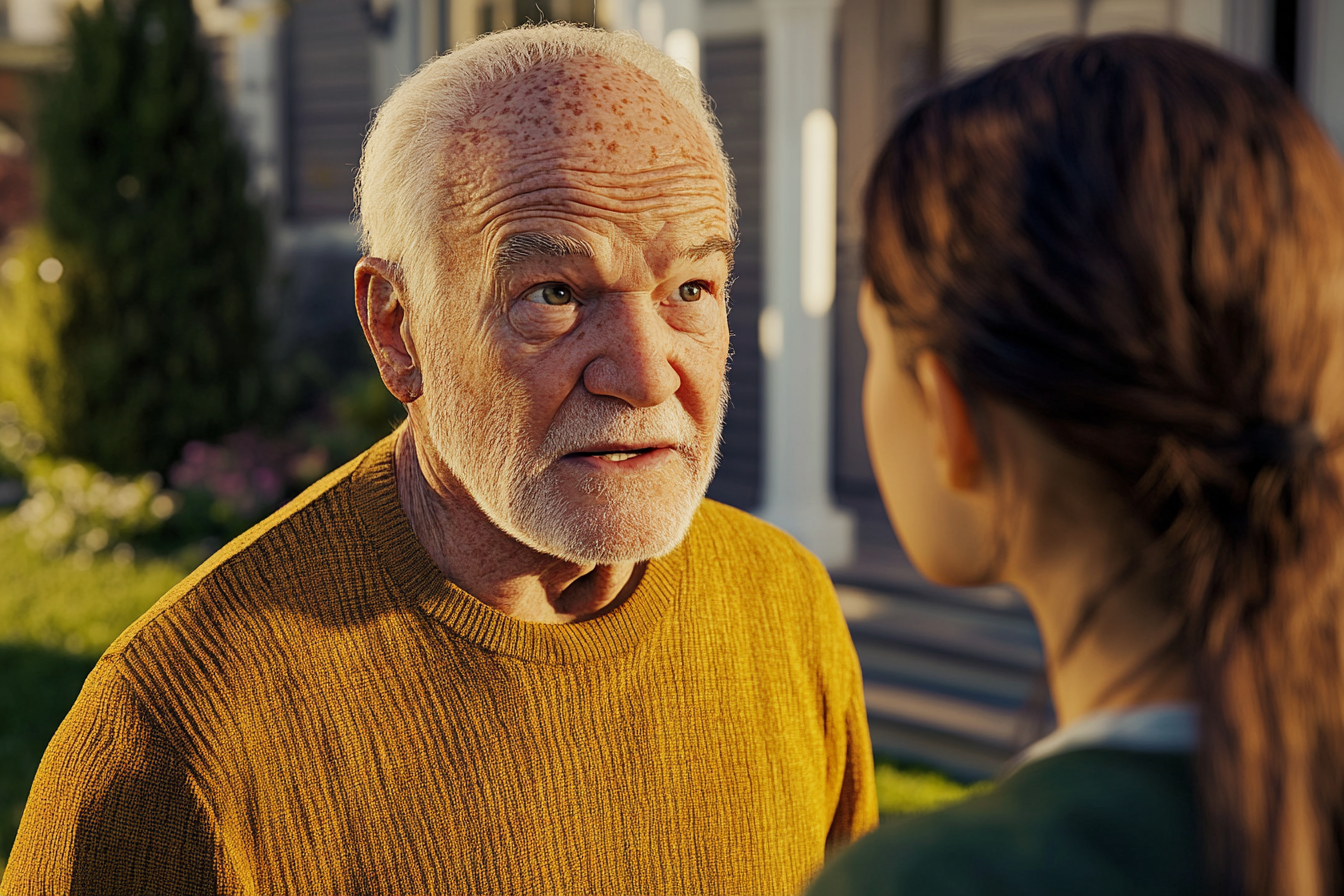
(849, 775)
(113, 808)
(856, 806)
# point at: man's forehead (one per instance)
(586, 148)
(573, 98)
(585, 115)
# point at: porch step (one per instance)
(955, 684)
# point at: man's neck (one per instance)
(492, 566)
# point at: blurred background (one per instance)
(179, 353)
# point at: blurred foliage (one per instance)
(230, 484)
(359, 412)
(153, 338)
(35, 311)
(905, 789)
(74, 506)
(220, 488)
(18, 444)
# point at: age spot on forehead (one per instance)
(578, 118)
(588, 92)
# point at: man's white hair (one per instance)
(395, 192)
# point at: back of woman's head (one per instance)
(1140, 244)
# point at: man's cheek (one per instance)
(538, 324)
(704, 319)
(706, 366)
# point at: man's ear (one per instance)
(956, 448)
(380, 301)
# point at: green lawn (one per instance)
(57, 617)
(905, 789)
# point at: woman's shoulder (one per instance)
(1094, 821)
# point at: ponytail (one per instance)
(1263, 622)
(1140, 244)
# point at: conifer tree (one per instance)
(145, 190)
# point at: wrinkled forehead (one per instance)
(584, 115)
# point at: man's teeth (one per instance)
(616, 456)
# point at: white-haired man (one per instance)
(510, 649)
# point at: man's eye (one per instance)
(691, 292)
(551, 294)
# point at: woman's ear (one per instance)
(956, 446)
(379, 300)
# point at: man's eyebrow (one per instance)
(706, 249)
(524, 247)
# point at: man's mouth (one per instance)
(615, 456)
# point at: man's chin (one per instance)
(610, 552)
(607, 532)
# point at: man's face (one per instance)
(574, 345)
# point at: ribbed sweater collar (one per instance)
(389, 534)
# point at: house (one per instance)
(805, 90)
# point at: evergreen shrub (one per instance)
(156, 339)
(35, 312)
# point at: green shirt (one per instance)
(1086, 821)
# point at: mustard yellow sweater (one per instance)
(316, 710)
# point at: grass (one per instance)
(904, 789)
(57, 617)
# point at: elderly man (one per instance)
(510, 649)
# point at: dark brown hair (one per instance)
(1140, 243)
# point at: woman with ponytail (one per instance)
(1105, 319)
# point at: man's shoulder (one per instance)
(281, 555)
(733, 550)
(737, 534)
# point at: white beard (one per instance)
(520, 487)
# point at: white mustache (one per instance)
(606, 422)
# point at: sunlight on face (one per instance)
(579, 394)
(538, 493)
(946, 535)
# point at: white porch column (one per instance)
(799, 277)
(672, 26)
(681, 40)
(394, 51)
(1248, 29)
(36, 21)
(258, 101)
(1320, 70)
(253, 27)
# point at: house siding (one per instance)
(732, 74)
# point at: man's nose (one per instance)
(634, 360)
